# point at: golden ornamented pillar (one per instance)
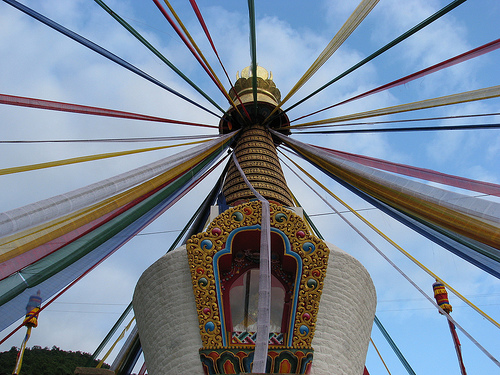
(257, 156)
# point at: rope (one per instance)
(128, 354)
(421, 173)
(463, 97)
(113, 140)
(100, 50)
(394, 347)
(207, 33)
(127, 26)
(253, 51)
(407, 129)
(388, 46)
(380, 356)
(359, 14)
(394, 265)
(110, 334)
(488, 47)
(200, 54)
(205, 64)
(458, 350)
(185, 41)
(83, 109)
(405, 120)
(122, 335)
(20, 355)
(264, 304)
(189, 45)
(83, 159)
(379, 232)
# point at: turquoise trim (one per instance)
(227, 250)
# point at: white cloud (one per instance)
(43, 64)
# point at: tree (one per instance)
(45, 361)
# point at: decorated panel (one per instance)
(206, 247)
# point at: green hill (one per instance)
(45, 361)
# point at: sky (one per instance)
(38, 62)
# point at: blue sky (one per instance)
(38, 62)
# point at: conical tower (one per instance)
(257, 156)
(255, 149)
(196, 307)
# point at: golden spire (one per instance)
(255, 148)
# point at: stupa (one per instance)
(199, 307)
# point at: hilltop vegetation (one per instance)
(45, 361)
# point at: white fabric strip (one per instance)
(463, 97)
(482, 209)
(381, 253)
(264, 306)
(363, 9)
(48, 209)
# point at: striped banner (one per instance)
(51, 254)
(464, 97)
(448, 218)
(362, 10)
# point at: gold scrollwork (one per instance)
(202, 248)
(258, 157)
(256, 163)
(257, 142)
(238, 180)
(255, 150)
